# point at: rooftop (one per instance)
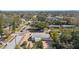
(62, 26)
(39, 36)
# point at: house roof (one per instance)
(62, 25)
(39, 36)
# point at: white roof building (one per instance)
(40, 36)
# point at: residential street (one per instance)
(17, 39)
(12, 44)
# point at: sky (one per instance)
(39, 5)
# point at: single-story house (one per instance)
(64, 26)
(40, 36)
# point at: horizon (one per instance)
(38, 10)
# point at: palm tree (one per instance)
(14, 24)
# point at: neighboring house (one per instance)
(40, 36)
(54, 18)
(46, 39)
(51, 18)
(54, 26)
(64, 26)
(68, 26)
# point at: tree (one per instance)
(66, 40)
(55, 39)
(17, 46)
(39, 44)
(13, 26)
(40, 25)
(41, 18)
(54, 35)
(75, 21)
(1, 23)
(65, 37)
(57, 22)
(67, 19)
(17, 20)
(15, 23)
(75, 38)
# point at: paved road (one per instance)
(12, 44)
